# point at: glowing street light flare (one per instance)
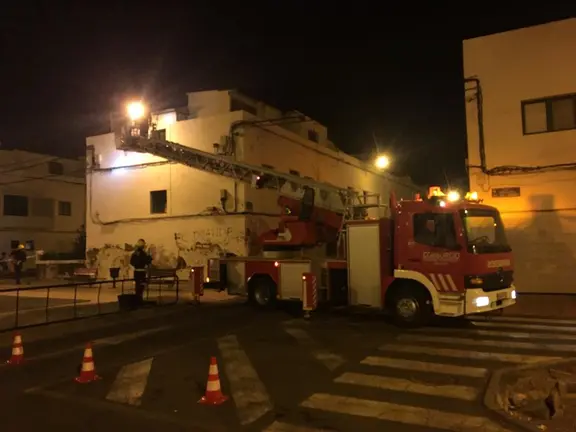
(382, 162)
(136, 110)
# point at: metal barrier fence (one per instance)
(32, 306)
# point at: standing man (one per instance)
(19, 257)
(140, 260)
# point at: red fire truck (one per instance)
(443, 255)
(440, 256)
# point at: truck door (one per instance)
(434, 250)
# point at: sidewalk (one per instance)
(543, 305)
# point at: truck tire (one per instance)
(411, 308)
(262, 292)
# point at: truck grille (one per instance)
(497, 281)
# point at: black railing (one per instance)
(29, 306)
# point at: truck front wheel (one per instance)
(411, 308)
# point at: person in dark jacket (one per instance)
(140, 260)
(19, 257)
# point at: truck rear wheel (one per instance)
(262, 291)
(411, 308)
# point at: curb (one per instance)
(492, 390)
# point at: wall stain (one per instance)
(182, 250)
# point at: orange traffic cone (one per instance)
(17, 350)
(88, 371)
(214, 394)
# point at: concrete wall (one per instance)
(515, 67)
(28, 175)
(119, 202)
(194, 227)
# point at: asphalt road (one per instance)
(333, 373)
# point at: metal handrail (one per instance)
(78, 304)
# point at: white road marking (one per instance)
(115, 340)
(249, 394)
(499, 333)
(553, 329)
(413, 365)
(525, 319)
(487, 343)
(329, 359)
(286, 427)
(467, 354)
(130, 383)
(402, 385)
(400, 413)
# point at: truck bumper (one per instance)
(478, 301)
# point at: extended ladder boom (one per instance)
(327, 196)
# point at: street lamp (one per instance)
(382, 162)
(136, 110)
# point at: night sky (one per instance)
(374, 79)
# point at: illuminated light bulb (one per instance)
(136, 110)
(382, 162)
(453, 196)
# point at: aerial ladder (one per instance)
(335, 206)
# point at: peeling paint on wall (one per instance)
(210, 242)
(179, 245)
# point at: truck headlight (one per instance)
(513, 294)
(482, 301)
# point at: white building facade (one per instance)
(43, 201)
(521, 125)
(187, 215)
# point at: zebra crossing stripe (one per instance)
(466, 354)
(130, 383)
(405, 414)
(555, 329)
(329, 359)
(250, 396)
(487, 342)
(407, 386)
(419, 366)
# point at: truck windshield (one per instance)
(484, 231)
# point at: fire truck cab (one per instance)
(442, 255)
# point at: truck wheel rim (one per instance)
(407, 308)
(262, 296)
